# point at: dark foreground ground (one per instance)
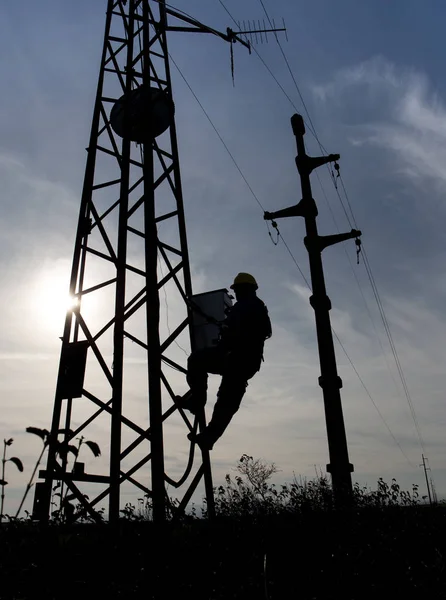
(389, 553)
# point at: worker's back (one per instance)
(247, 327)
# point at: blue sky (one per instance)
(371, 74)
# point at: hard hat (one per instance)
(244, 278)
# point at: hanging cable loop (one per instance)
(334, 177)
(358, 249)
(276, 227)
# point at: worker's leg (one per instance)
(229, 397)
(199, 364)
(236, 373)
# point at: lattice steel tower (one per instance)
(130, 247)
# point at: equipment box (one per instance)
(209, 308)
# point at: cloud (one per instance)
(392, 108)
(32, 203)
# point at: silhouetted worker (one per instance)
(237, 357)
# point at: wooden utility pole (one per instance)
(339, 467)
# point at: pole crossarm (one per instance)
(304, 208)
(321, 242)
(306, 164)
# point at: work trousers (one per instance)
(235, 368)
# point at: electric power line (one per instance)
(394, 352)
(360, 289)
(218, 134)
(371, 398)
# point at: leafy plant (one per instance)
(257, 472)
(129, 512)
(94, 447)
(18, 463)
(385, 495)
(66, 508)
(44, 435)
(250, 494)
(63, 449)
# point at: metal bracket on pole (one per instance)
(305, 208)
(332, 470)
(307, 164)
(321, 242)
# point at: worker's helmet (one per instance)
(244, 278)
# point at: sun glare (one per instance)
(72, 302)
(51, 300)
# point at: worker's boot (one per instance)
(202, 439)
(192, 402)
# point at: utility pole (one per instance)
(339, 467)
(426, 469)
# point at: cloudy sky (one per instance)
(371, 74)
